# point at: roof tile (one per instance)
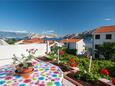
(70, 40)
(34, 40)
(105, 29)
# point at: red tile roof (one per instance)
(105, 29)
(70, 40)
(34, 40)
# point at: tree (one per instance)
(11, 41)
(107, 49)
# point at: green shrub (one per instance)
(71, 51)
(96, 66)
(83, 65)
(11, 41)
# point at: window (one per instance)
(108, 36)
(65, 43)
(97, 36)
(96, 46)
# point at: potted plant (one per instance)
(24, 64)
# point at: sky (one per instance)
(55, 16)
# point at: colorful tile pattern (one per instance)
(44, 74)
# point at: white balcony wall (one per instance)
(7, 51)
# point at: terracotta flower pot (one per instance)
(20, 70)
(27, 70)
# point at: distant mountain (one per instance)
(33, 35)
(82, 35)
(71, 35)
(24, 35)
(5, 34)
(55, 38)
(86, 34)
(87, 37)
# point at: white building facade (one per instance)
(77, 44)
(103, 34)
(100, 38)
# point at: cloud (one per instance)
(107, 19)
(48, 31)
(16, 31)
(21, 31)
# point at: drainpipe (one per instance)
(76, 48)
(93, 46)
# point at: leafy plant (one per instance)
(96, 67)
(25, 60)
(11, 41)
(107, 49)
(71, 51)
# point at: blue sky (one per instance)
(60, 17)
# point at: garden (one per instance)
(88, 71)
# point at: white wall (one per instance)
(103, 38)
(7, 51)
(80, 47)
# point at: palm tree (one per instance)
(107, 49)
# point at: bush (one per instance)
(88, 76)
(107, 49)
(11, 41)
(71, 51)
(96, 67)
(111, 71)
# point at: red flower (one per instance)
(104, 71)
(61, 53)
(113, 81)
(73, 65)
(72, 62)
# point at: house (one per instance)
(103, 34)
(77, 44)
(30, 41)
